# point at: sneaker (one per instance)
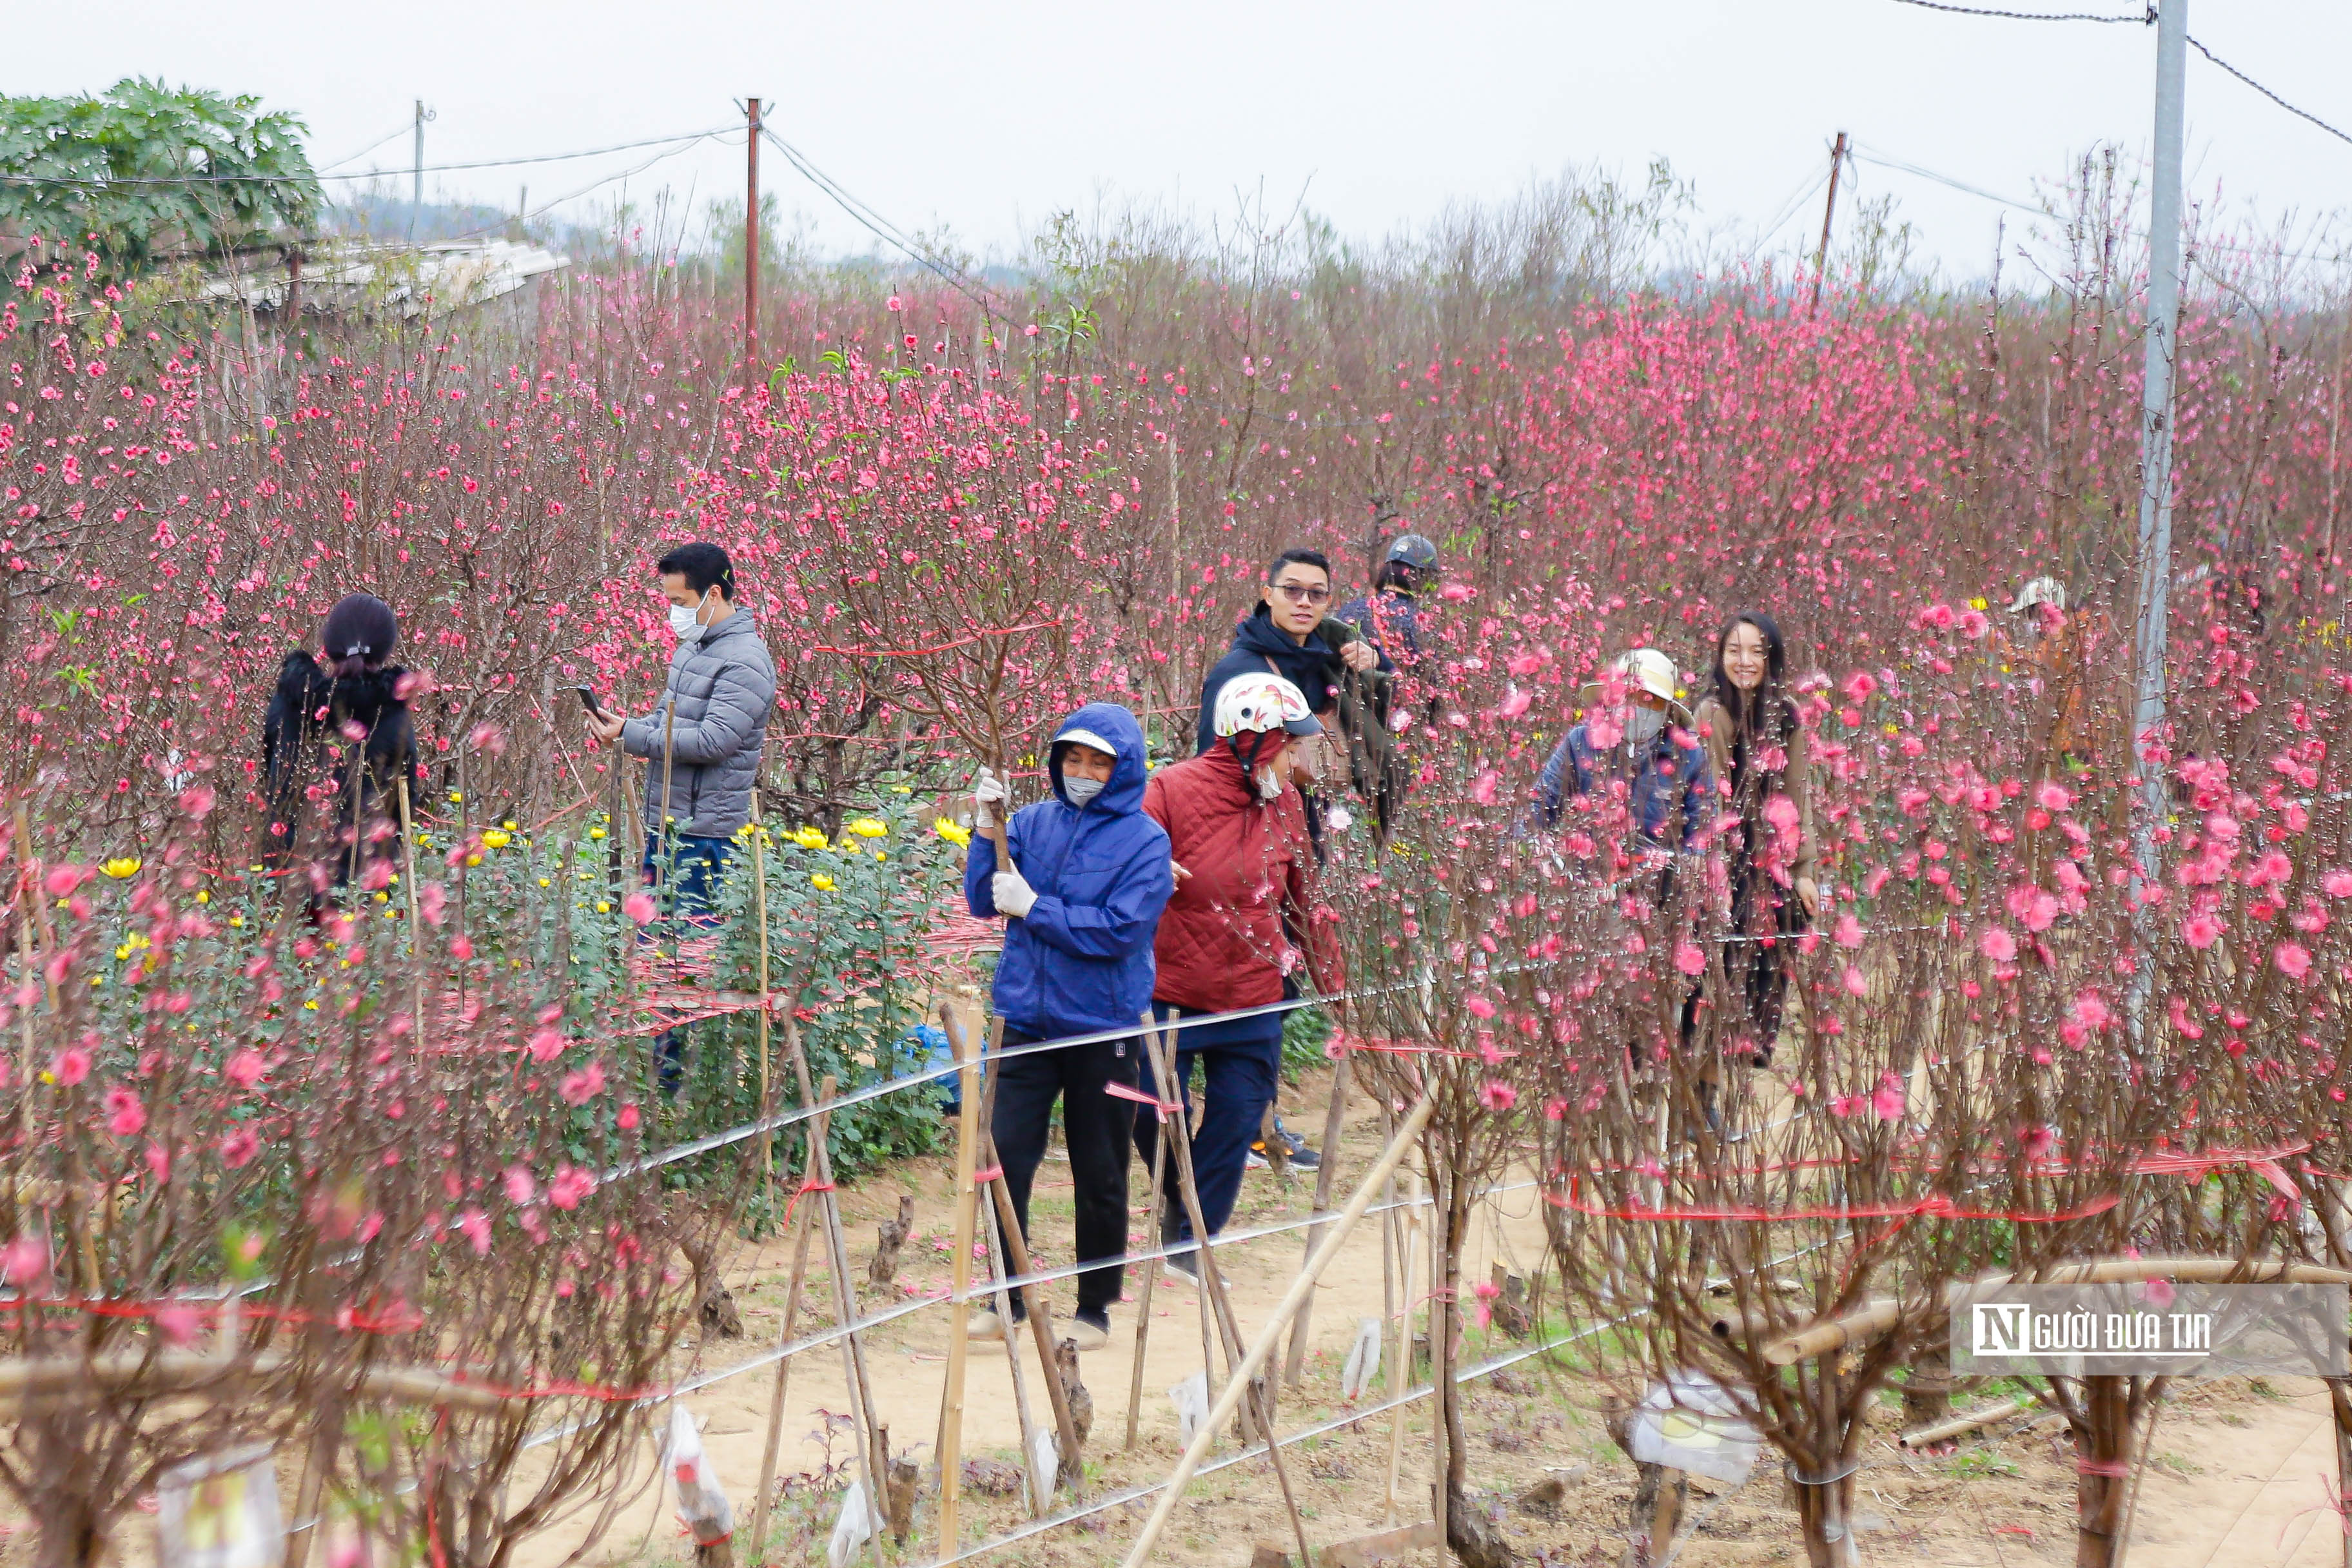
(984, 1324)
(1184, 1270)
(1089, 1333)
(1293, 1149)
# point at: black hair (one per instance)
(704, 567)
(1315, 558)
(359, 635)
(1764, 713)
(1401, 576)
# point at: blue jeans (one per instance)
(1240, 1061)
(697, 865)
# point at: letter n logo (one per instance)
(2001, 1329)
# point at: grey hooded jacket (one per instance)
(721, 688)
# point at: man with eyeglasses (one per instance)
(1289, 632)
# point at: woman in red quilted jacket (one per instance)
(1239, 930)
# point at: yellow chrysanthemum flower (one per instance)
(822, 883)
(497, 838)
(868, 826)
(122, 866)
(952, 831)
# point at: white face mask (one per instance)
(1269, 785)
(1642, 725)
(685, 620)
(1080, 791)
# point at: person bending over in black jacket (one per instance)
(337, 733)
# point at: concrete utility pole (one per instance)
(1829, 211)
(751, 249)
(2156, 423)
(416, 190)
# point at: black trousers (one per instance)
(1769, 917)
(1096, 1125)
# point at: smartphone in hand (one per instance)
(588, 700)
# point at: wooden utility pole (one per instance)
(751, 248)
(1829, 211)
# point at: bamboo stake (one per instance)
(759, 896)
(2340, 1409)
(31, 883)
(951, 1444)
(1401, 1366)
(1294, 1363)
(1176, 1136)
(415, 927)
(1966, 1421)
(1300, 1289)
(1161, 1091)
(1258, 1421)
(844, 1302)
(1002, 1296)
(817, 1130)
(1041, 1329)
(1212, 1292)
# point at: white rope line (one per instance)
(783, 1118)
(981, 1289)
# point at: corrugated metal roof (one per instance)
(352, 277)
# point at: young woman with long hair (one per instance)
(1760, 765)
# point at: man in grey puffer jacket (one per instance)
(702, 745)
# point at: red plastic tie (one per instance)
(1161, 1107)
(806, 1187)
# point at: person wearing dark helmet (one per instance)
(337, 729)
(1390, 615)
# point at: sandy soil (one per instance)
(2238, 1476)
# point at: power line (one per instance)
(884, 229)
(2266, 92)
(2148, 17)
(1962, 185)
(545, 208)
(398, 130)
(2042, 210)
(687, 138)
(2142, 20)
(1789, 208)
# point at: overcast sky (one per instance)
(986, 118)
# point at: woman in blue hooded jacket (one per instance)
(1090, 874)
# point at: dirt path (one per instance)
(2238, 1475)
(2237, 1479)
(907, 1360)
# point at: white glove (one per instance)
(1012, 895)
(987, 795)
